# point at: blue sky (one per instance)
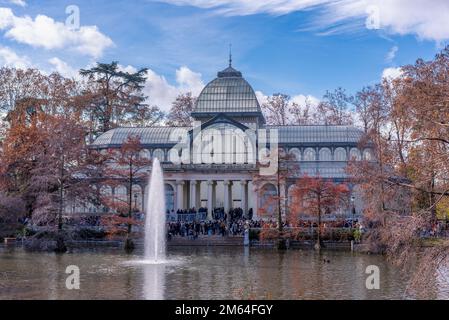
(298, 47)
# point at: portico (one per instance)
(213, 191)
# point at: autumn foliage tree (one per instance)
(275, 168)
(47, 122)
(17, 84)
(317, 196)
(63, 168)
(408, 123)
(124, 166)
(45, 160)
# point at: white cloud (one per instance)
(418, 17)
(162, 93)
(63, 68)
(301, 100)
(189, 81)
(392, 54)
(247, 7)
(45, 32)
(129, 69)
(8, 58)
(20, 3)
(391, 73)
(6, 18)
(261, 97)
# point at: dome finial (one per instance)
(230, 55)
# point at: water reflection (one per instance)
(442, 280)
(205, 273)
(154, 281)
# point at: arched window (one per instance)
(159, 153)
(325, 154)
(295, 153)
(224, 143)
(368, 154)
(309, 155)
(340, 154)
(354, 154)
(145, 154)
(268, 203)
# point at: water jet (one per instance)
(155, 219)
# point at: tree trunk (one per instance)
(60, 241)
(281, 243)
(433, 210)
(61, 206)
(129, 244)
(61, 194)
(318, 239)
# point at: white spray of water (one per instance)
(155, 219)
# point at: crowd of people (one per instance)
(193, 214)
(193, 223)
(209, 228)
(235, 226)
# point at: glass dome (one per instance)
(228, 93)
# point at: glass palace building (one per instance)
(215, 163)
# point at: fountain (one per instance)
(155, 217)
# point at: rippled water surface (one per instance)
(201, 273)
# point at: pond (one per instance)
(202, 273)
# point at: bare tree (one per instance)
(182, 107)
(276, 109)
(334, 109)
(302, 114)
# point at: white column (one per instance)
(198, 194)
(227, 195)
(244, 196)
(180, 194)
(193, 194)
(210, 198)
